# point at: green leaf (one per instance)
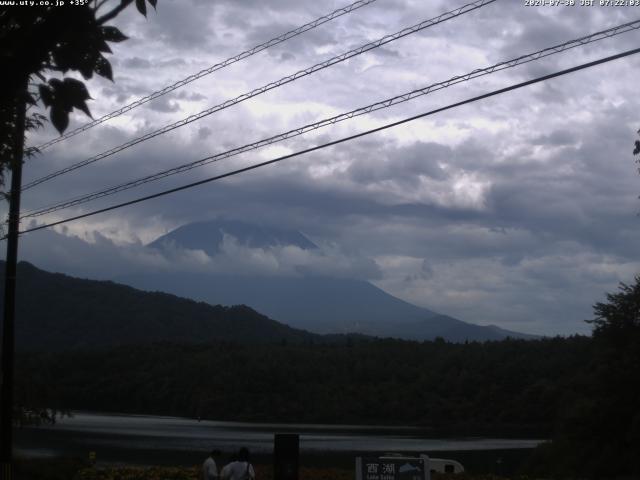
(76, 88)
(34, 122)
(63, 97)
(142, 7)
(153, 3)
(104, 47)
(46, 94)
(112, 34)
(65, 58)
(103, 68)
(75, 95)
(59, 119)
(55, 84)
(86, 66)
(83, 106)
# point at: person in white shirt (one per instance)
(209, 467)
(240, 469)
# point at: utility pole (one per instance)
(8, 324)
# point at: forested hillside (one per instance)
(58, 312)
(511, 387)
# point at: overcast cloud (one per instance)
(519, 210)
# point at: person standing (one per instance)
(209, 467)
(239, 469)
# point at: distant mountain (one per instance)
(316, 303)
(208, 236)
(58, 312)
(321, 305)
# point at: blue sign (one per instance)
(391, 468)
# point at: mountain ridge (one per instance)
(317, 303)
(190, 236)
(55, 311)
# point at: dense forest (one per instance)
(511, 387)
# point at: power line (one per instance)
(218, 66)
(270, 86)
(339, 118)
(342, 140)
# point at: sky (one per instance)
(520, 210)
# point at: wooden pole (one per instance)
(8, 324)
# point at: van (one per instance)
(442, 465)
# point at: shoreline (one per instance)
(148, 440)
(477, 461)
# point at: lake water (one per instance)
(136, 438)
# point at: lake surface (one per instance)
(134, 438)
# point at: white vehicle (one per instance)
(395, 465)
(443, 465)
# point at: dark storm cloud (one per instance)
(541, 31)
(136, 62)
(193, 97)
(92, 255)
(122, 91)
(204, 132)
(536, 198)
(312, 39)
(385, 52)
(181, 25)
(558, 138)
(408, 162)
(164, 104)
(144, 63)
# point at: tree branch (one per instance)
(99, 4)
(112, 14)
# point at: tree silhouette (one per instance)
(599, 434)
(38, 45)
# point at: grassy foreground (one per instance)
(74, 469)
(69, 469)
(263, 472)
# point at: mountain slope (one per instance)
(319, 304)
(208, 236)
(55, 311)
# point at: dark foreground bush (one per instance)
(48, 468)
